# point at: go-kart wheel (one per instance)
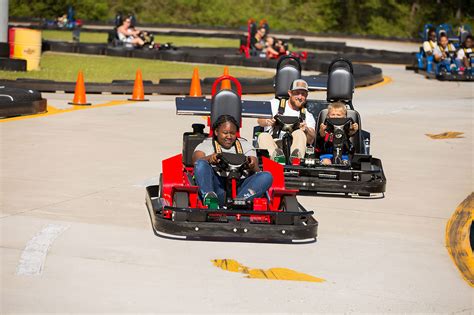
(289, 203)
(180, 199)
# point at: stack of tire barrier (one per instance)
(165, 86)
(356, 54)
(17, 101)
(364, 75)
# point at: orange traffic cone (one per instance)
(79, 91)
(225, 85)
(138, 90)
(195, 89)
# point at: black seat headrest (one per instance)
(226, 102)
(288, 70)
(462, 37)
(341, 82)
(356, 139)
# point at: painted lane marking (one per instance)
(386, 80)
(33, 256)
(457, 239)
(446, 135)
(269, 274)
(54, 111)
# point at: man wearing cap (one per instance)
(294, 106)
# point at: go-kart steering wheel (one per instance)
(287, 123)
(233, 166)
(339, 129)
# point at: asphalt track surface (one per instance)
(76, 236)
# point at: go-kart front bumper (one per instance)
(195, 224)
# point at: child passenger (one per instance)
(335, 110)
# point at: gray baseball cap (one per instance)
(299, 84)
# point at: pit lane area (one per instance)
(84, 173)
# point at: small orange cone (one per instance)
(79, 91)
(225, 85)
(138, 90)
(195, 90)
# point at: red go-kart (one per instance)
(176, 210)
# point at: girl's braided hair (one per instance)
(223, 119)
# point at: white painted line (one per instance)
(33, 256)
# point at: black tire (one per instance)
(146, 54)
(289, 203)
(180, 199)
(12, 64)
(63, 47)
(4, 50)
(131, 82)
(90, 49)
(173, 55)
(201, 58)
(119, 52)
(230, 60)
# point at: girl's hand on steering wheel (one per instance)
(252, 164)
(214, 158)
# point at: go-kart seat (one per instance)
(226, 102)
(340, 83)
(290, 71)
(356, 139)
(190, 141)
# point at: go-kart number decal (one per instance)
(269, 274)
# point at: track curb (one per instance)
(458, 239)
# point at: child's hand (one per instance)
(322, 130)
(353, 129)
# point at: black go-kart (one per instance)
(357, 174)
(177, 211)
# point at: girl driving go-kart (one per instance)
(212, 165)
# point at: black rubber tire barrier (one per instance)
(4, 50)
(146, 54)
(201, 59)
(214, 55)
(119, 52)
(17, 101)
(173, 55)
(62, 46)
(231, 60)
(176, 86)
(91, 49)
(145, 82)
(12, 64)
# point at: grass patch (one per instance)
(64, 67)
(97, 37)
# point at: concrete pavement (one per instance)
(86, 171)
